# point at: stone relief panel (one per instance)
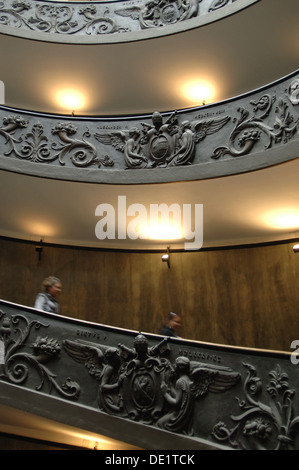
(16, 364)
(104, 20)
(233, 397)
(263, 423)
(180, 145)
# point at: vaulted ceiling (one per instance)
(237, 54)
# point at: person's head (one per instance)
(52, 285)
(175, 321)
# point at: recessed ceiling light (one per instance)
(283, 219)
(160, 231)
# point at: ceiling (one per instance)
(237, 54)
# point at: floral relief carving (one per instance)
(263, 425)
(11, 124)
(185, 138)
(16, 364)
(250, 129)
(165, 386)
(82, 152)
(91, 19)
(59, 19)
(35, 145)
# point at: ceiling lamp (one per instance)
(70, 99)
(283, 219)
(163, 232)
(198, 92)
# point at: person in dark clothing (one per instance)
(174, 323)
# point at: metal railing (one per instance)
(166, 393)
(252, 131)
(111, 21)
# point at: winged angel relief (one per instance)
(142, 384)
(157, 13)
(162, 143)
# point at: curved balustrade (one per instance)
(108, 22)
(119, 383)
(249, 132)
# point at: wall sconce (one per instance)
(296, 248)
(39, 249)
(166, 257)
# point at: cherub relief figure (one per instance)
(157, 13)
(163, 143)
(192, 380)
(110, 399)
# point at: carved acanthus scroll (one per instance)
(263, 425)
(102, 18)
(17, 364)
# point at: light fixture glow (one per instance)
(166, 257)
(287, 218)
(198, 91)
(70, 99)
(37, 228)
(160, 232)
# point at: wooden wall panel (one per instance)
(243, 296)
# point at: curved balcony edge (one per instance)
(110, 22)
(246, 133)
(117, 383)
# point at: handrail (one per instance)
(255, 130)
(151, 391)
(110, 22)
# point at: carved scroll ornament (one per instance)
(107, 19)
(263, 425)
(251, 128)
(166, 384)
(16, 364)
(162, 147)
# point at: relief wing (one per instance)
(202, 128)
(116, 139)
(209, 378)
(87, 354)
(133, 12)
